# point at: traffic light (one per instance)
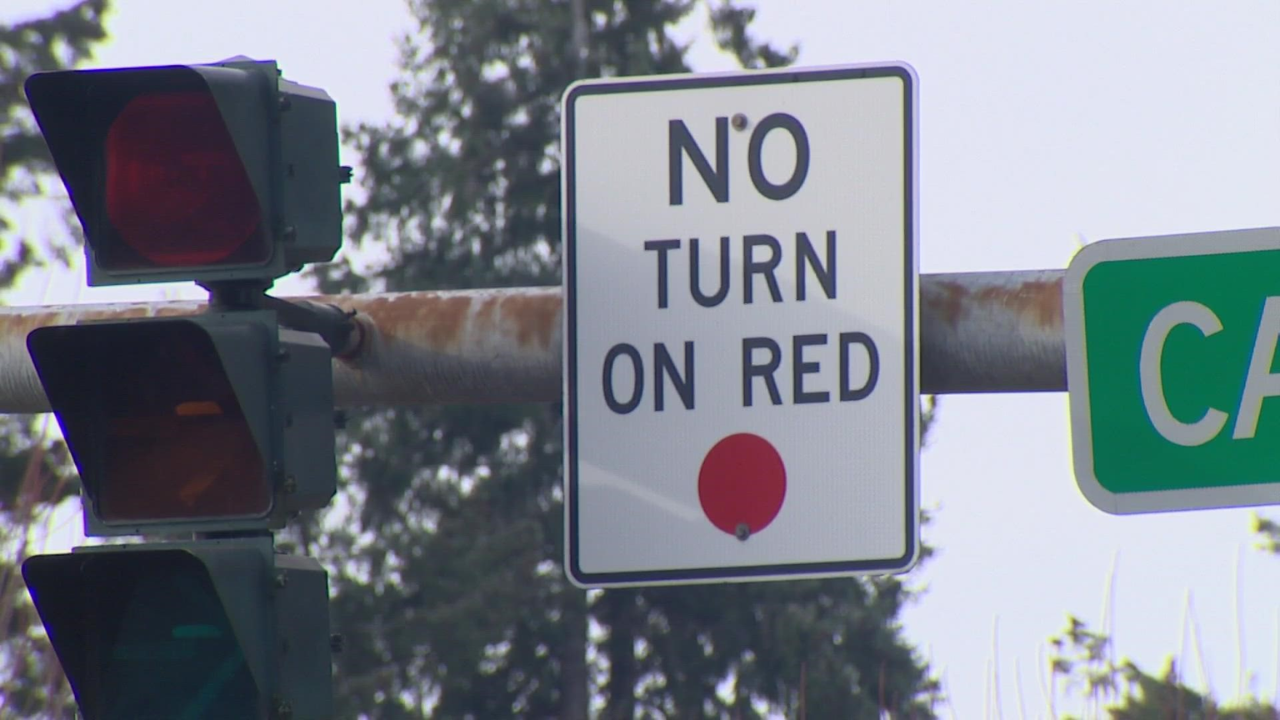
(211, 423)
(216, 428)
(194, 172)
(209, 629)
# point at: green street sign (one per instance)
(1171, 345)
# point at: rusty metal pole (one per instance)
(979, 333)
(992, 332)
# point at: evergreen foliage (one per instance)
(34, 473)
(59, 41)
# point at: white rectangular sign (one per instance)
(741, 349)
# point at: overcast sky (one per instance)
(1042, 125)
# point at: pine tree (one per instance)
(445, 546)
(34, 473)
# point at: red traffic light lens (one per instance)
(176, 189)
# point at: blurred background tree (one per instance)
(35, 471)
(1083, 666)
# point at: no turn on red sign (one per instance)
(741, 348)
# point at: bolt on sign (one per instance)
(1171, 349)
(741, 380)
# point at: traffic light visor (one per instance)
(157, 163)
(144, 634)
(159, 428)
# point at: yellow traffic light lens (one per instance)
(176, 189)
(161, 465)
(153, 418)
(178, 446)
(198, 407)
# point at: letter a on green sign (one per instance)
(1172, 372)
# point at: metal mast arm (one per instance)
(979, 333)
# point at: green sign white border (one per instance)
(1144, 248)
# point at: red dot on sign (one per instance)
(742, 483)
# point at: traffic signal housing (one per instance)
(218, 427)
(211, 629)
(218, 422)
(195, 172)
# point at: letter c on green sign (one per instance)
(1172, 429)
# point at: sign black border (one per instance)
(912, 398)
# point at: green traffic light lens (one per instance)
(188, 632)
(144, 635)
(166, 647)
